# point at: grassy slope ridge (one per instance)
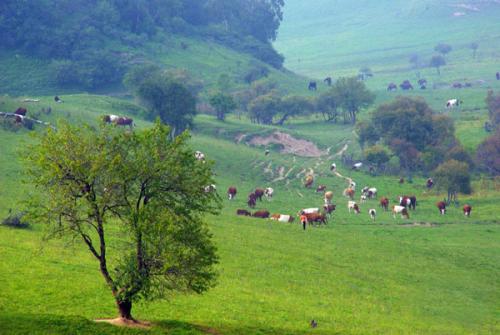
(205, 60)
(353, 276)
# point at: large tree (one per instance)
(453, 177)
(140, 184)
(488, 154)
(169, 100)
(264, 108)
(437, 61)
(223, 104)
(293, 106)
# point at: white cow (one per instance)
(354, 206)
(199, 156)
(357, 166)
(453, 103)
(400, 210)
(268, 192)
(210, 188)
(373, 213)
(309, 211)
(333, 167)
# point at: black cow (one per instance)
(312, 86)
(328, 81)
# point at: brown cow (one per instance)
(231, 192)
(309, 181)
(349, 192)
(316, 218)
(21, 111)
(259, 193)
(384, 203)
(467, 210)
(329, 209)
(243, 212)
(429, 183)
(252, 200)
(263, 214)
(441, 205)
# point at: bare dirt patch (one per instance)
(291, 145)
(121, 322)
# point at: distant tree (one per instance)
(367, 133)
(415, 60)
(293, 106)
(327, 104)
(474, 46)
(140, 185)
(169, 100)
(459, 153)
(223, 104)
(377, 155)
(138, 74)
(453, 176)
(488, 154)
(264, 108)
(437, 61)
(443, 48)
(352, 96)
(365, 72)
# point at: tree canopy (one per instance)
(453, 176)
(437, 61)
(89, 179)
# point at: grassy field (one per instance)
(431, 274)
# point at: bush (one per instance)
(15, 220)
(255, 73)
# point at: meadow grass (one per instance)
(431, 274)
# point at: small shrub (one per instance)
(15, 220)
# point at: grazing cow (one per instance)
(312, 86)
(369, 192)
(413, 202)
(453, 103)
(231, 192)
(210, 188)
(357, 166)
(441, 205)
(309, 181)
(329, 208)
(243, 212)
(263, 214)
(352, 205)
(268, 192)
(349, 192)
(328, 81)
(19, 118)
(498, 75)
(321, 188)
(373, 213)
(467, 210)
(21, 111)
(333, 167)
(363, 198)
(328, 197)
(401, 180)
(57, 99)
(118, 120)
(404, 201)
(199, 155)
(259, 193)
(282, 218)
(400, 210)
(406, 85)
(384, 203)
(352, 185)
(266, 153)
(316, 218)
(429, 183)
(422, 83)
(308, 211)
(392, 87)
(457, 85)
(252, 200)
(468, 85)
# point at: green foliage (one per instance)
(327, 104)
(256, 72)
(367, 134)
(294, 106)
(352, 96)
(263, 108)
(493, 104)
(377, 155)
(437, 61)
(138, 74)
(223, 104)
(413, 132)
(169, 100)
(15, 220)
(488, 154)
(453, 176)
(153, 186)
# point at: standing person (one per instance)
(303, 220)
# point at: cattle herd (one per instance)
(320, 215)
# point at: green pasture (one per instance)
(430, 274)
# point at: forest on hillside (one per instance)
(82, 36)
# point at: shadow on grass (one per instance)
(37, 324)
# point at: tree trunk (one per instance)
(125, 309)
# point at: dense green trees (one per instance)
(223, 104)
(420, 138)
(437, 61)
(150, 186)
(453, 177)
